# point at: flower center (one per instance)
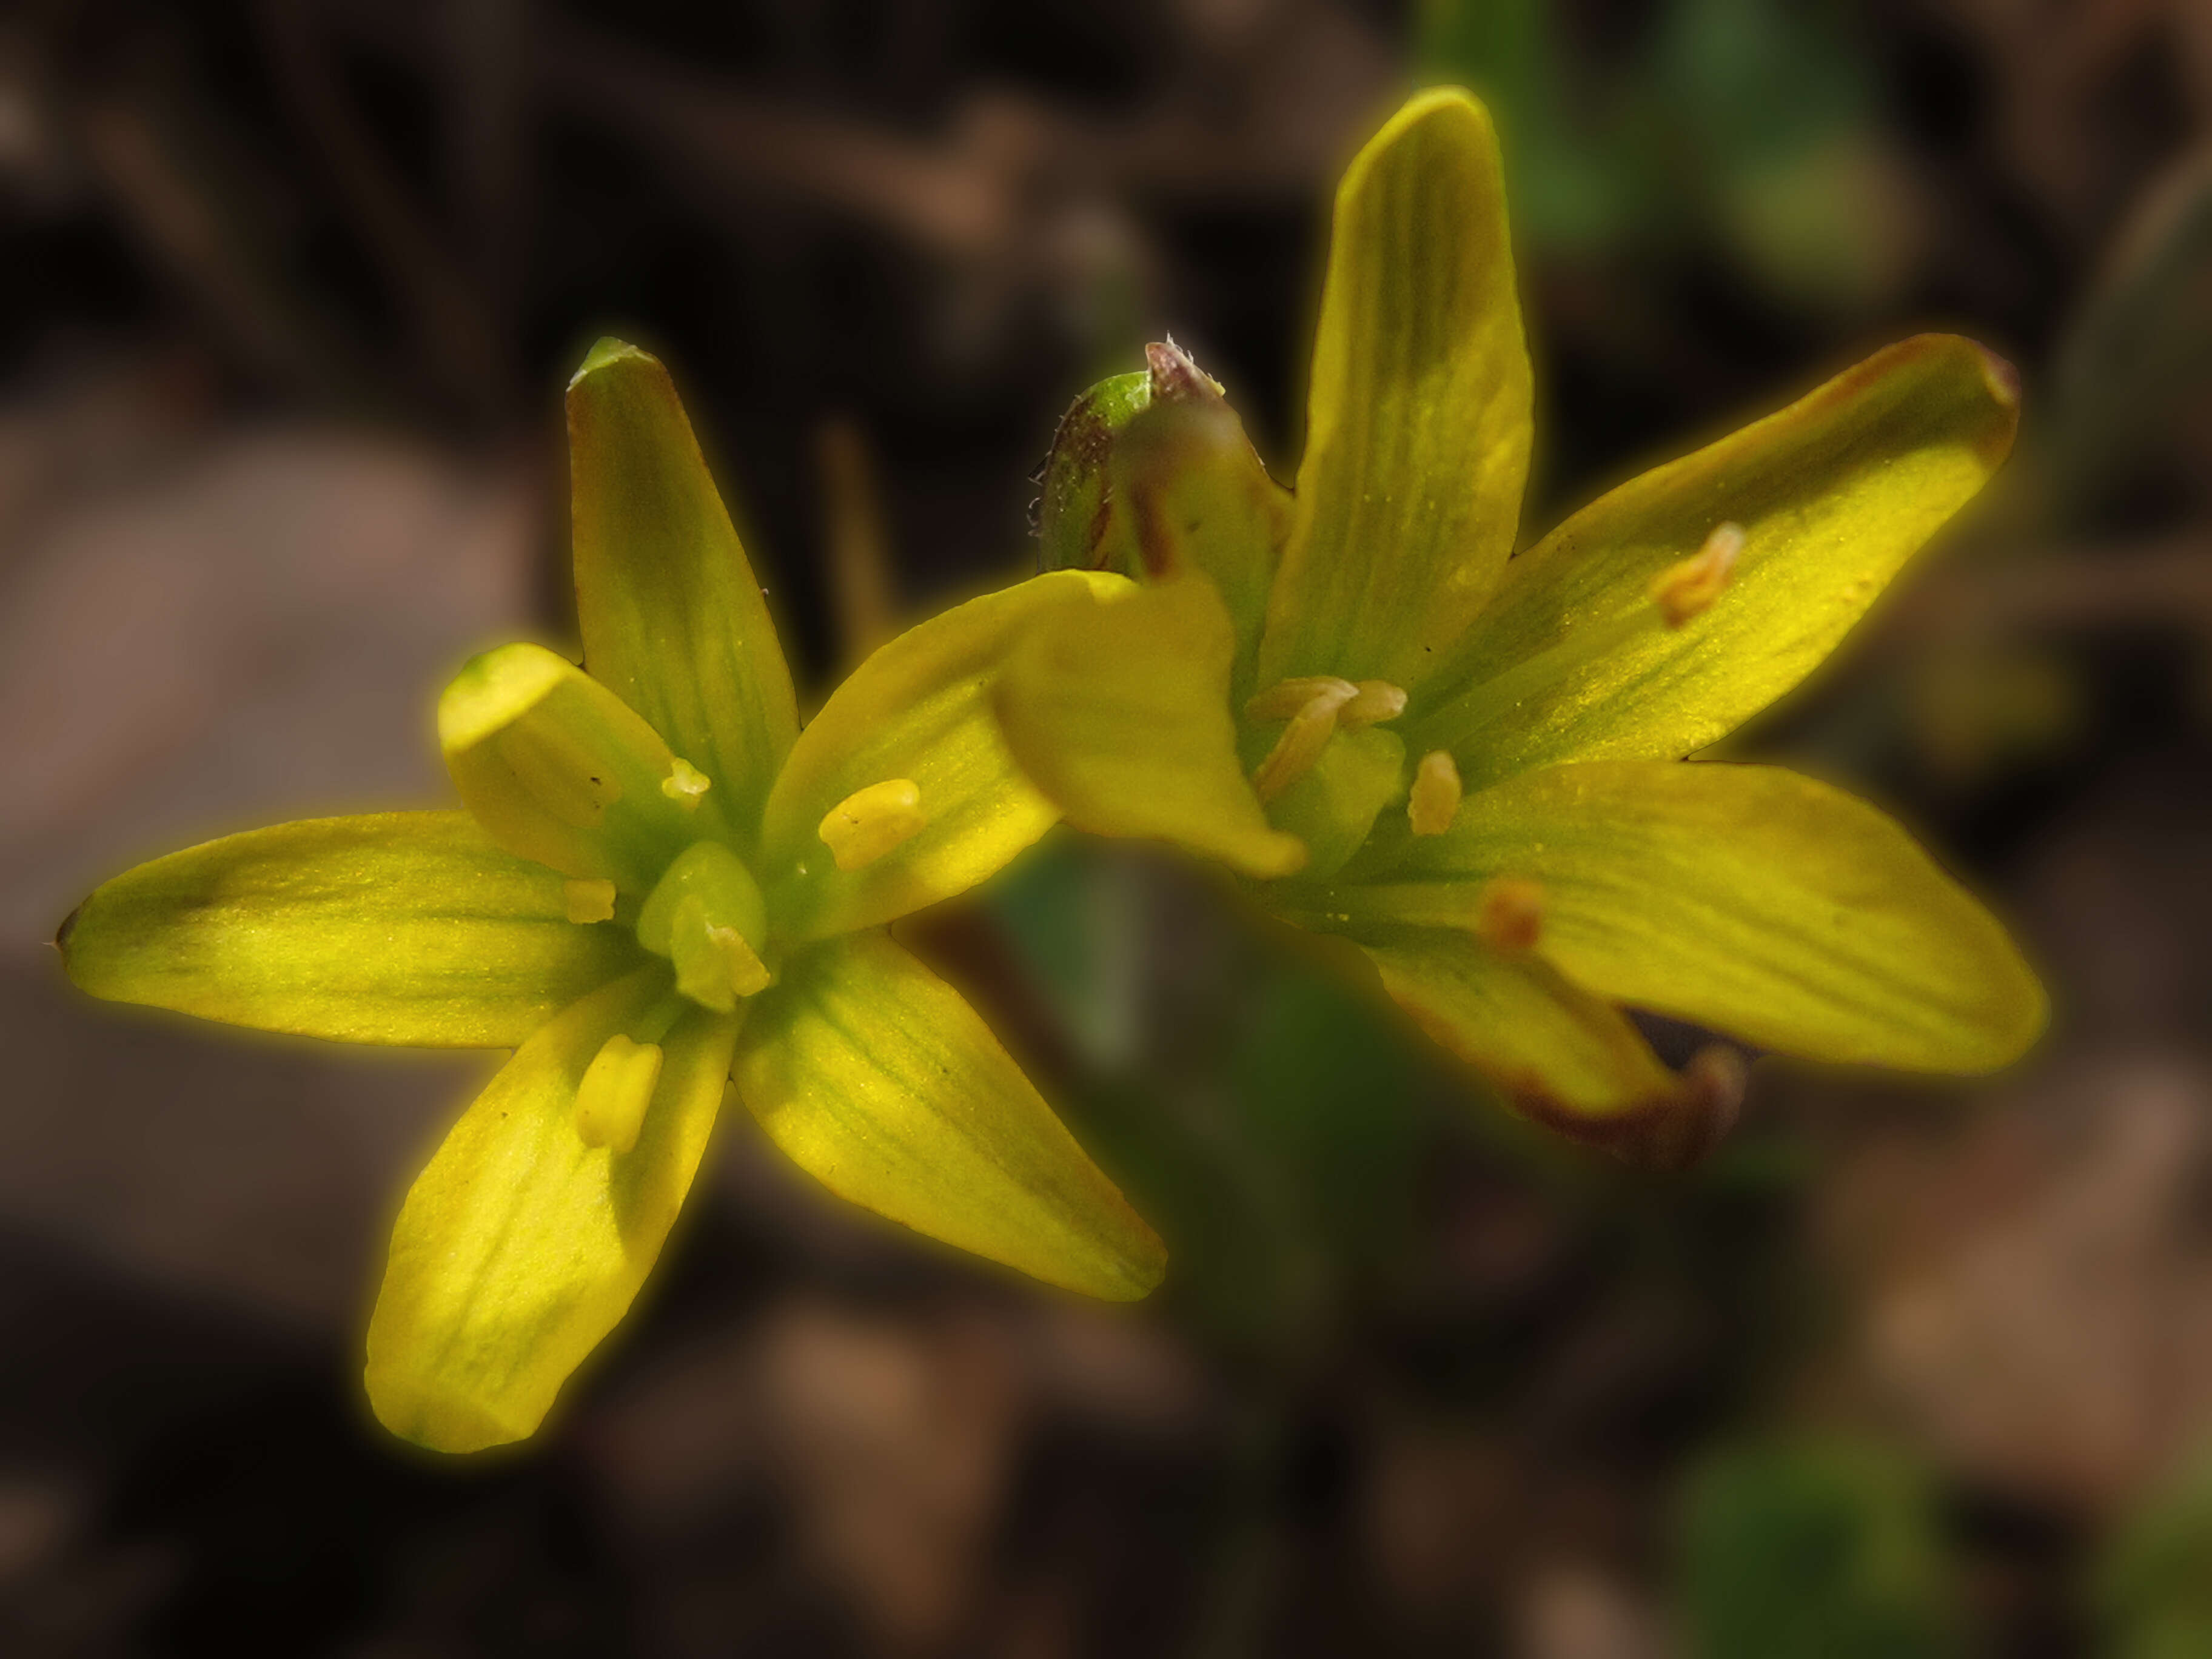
(1332, 768)
(706, 915)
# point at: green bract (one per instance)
(1470, 763)
(660, 882)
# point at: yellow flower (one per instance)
(661, 885)
(1471, 764)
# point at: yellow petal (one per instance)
(558, 768)
(1577, 660)
(520, 1246)
(672, 617)
(1120, 711)
(1746, 899)
(1418, 417)
(875, 1077)
(399, 927)
(917, 712)
(1557, 1054)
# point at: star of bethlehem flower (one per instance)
(661, 885)
(1469, 763)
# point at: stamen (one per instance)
(1378, 701)
(616, 1089)
(1510, 915)
(869, 823)
(1435, 799)
(685, 783)
(1687, 590)
(1287, 699)
(1302, 740)
(588, 900)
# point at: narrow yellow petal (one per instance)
(1746, 899)
(1782, 535)
(398, 927)
(558, 768)
(875, 1077)
(1417, 416)
(917, 712)
(1120, 712)
(1556, 1054)
(673, 619)
(520, 1246)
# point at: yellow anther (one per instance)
(1377, 700)
(1509, 917)
(868, 823)
(1302, 740)
(1686, 589)
(714, 966)
(1435, 799)
(685, 783)
(588, 900)
(1287, 699)
(616, 1089)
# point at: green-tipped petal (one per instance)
(672, 617)
(558, 768)
(875, 1077)
(1120, 711)
(917, 711)
(399, 927)
(1575, 662)
(520, 1246)
(1746, 899)
(1418, 417)
(1554, 1052)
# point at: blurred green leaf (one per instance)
(1813, 1548)
(2153, 1586)
(1747, 123)
(2132, 370)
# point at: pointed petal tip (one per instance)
(605, 352)
(1139, 1273)
(2002, 378)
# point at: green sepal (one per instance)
(1080, 526)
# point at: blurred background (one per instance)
(290, 289)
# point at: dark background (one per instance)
(290, 292)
